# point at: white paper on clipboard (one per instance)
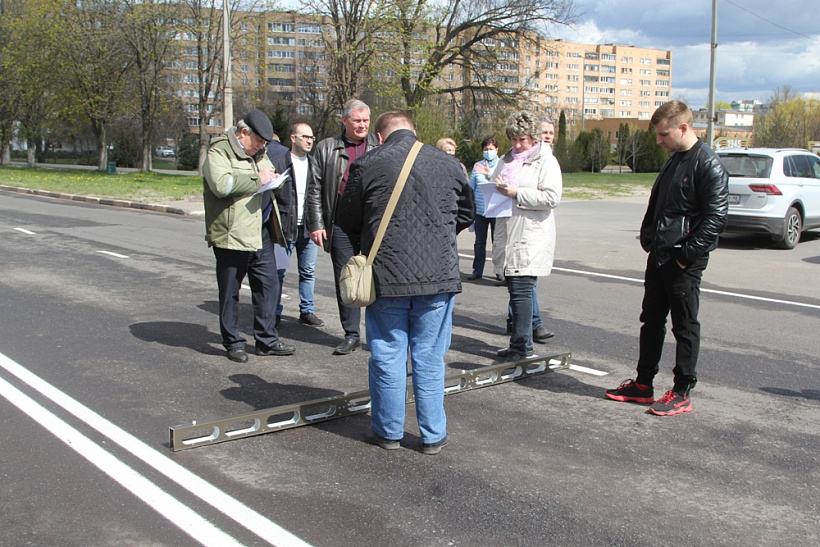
(496, 205)
(275, 183)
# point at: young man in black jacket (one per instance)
(416, 273)
(291, 200)
(686, 214)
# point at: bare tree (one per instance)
(351, 39)
(475, 36)
(149, 30)
(201, 26)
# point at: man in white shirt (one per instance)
(291, 202)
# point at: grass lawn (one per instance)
(604, 185)
(132, 186)
(152, 187)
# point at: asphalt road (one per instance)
(109, 337)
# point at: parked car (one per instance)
(165, 152)
(773, 191)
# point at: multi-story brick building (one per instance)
(281, 58)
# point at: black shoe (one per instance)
(435, 448)
(310, 318)
(348, 346)
(374, 438)
(541, 334)
(503, 352)
(277, 349)
(632, 392)
(670, 404)
(513, 356)
(473, 277)
(278, 322)
(238, 354)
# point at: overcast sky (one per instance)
(762, 44)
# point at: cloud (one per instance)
(757, 52)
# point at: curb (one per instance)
(105, 201)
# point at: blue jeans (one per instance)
(480, 247)
(424, 325)
(306, 253)
(521, 302)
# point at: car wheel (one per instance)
(791, 230)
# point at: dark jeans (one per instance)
(521, 288)
(341, 251)
(480, 246)
(536, 310)
(260, 267)
(668, 288)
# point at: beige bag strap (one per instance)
(394, 198)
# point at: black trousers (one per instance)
(341, 251)
(260, 267)
(670, 289)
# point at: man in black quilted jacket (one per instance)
(416, 272)
(686, 214)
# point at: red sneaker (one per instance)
(631, 391)
(670, 404)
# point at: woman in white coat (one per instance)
(524, 243)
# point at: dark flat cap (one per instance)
(260, 124)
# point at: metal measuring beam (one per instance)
(278, 418)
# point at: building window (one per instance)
(306, 28)
(281, 41)
(281, 27)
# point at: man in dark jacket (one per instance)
(333, 158)
(416, 272)
(291, 201)
(686, 214)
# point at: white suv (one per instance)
(773, 191)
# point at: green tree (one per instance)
(33, 26)
(97, 62)
(791, 121)
(188, 152)
(655, 156)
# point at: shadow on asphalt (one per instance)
(179, 335)
(811, 394)
(261, 394)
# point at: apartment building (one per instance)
(280, 58)
(594, 82)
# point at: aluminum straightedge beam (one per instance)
(278, 418)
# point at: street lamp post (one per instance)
(710, 127)
(227, 92)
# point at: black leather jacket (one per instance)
(323, 188)
(695, 209)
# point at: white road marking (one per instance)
(29, 232)
(187, 520)
(587, 370)
(118, 255)
(247, 517)
(712, 291)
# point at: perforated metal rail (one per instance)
(283, 417)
